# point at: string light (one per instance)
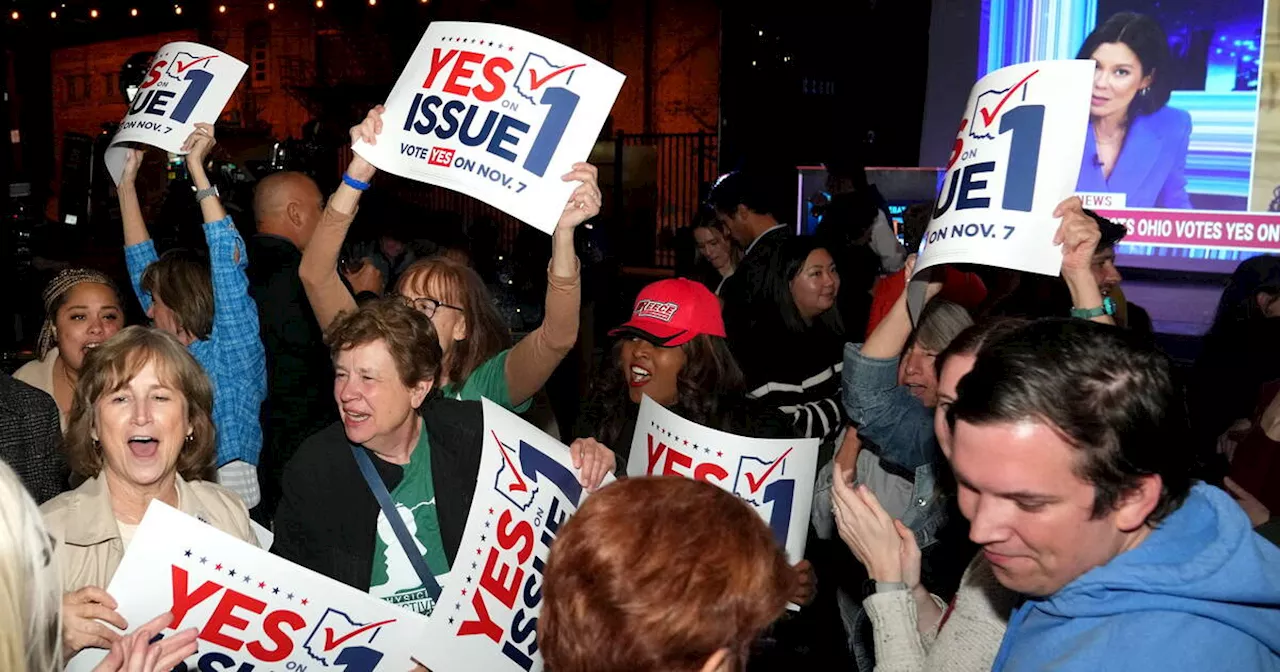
(373, 3)
(133, 12)
(271, 6)
(15, 15)
(53, 14)
(177, 9)
(222, 9)
(93, 13)
(319, 4)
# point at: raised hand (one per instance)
(199, 144)
(867, 529)
(806, 583)
(132, 162)
(586, 199)
(1079, 236)
(593, 460)
(367, 130)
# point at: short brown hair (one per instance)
(487, 333)
(111, 366)
(181, 279)
(409, 336)
(659, 573)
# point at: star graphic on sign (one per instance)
(203, 560)
(304, 601)
(686, 442)
(719, 454)
(188, 553)
(275, 591)
(262, 584)
(482, 537)
(706, 450)
(473, 565)
(450, 620)
(464, 592)
(491, 512)
(486, 524)
(217, 567)
(457, 606)
(500, 45)
(231, 573)
(511, 48)
(469, 578)
(246, 578)
(477, 551)
(289, 596)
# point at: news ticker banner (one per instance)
(253, 610)
(1252, 231)
(1015, 157)
(773, 476)
(487, 615)
(186, 83)
(496, 113)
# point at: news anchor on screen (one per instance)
(1136, 143)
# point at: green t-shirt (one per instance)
(489, 380)
(393, 577)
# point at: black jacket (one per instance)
(299, 399)
(328, 516)
(743, 295)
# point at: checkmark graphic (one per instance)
(519, 485)
(330, 642)
(754, 484)
(988, 117)
(184, 66)
(535, 82)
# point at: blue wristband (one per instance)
(354, 183)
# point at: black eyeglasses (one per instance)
(427, 306)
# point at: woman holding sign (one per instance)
(1136, 144)
(140, 430)
(478, 358)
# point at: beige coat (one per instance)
(38, 373)
(89, 547)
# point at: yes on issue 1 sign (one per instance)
(773, 476)
(254, 610)
(1015, 157)
(487, 616)
(186, 83)
(496, 113)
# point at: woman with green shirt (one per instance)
(479, 360)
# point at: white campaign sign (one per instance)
(496, 113)
(489, 604)
(254, 610)
(774, 476)
(186, 84)
(1016, 156)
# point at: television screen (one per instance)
(1183, 143)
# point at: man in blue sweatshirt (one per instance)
(1071, 455)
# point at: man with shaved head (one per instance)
(287, 207)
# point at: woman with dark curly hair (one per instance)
(673, 350)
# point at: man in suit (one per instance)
(744, 203)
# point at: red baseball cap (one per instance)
(672, 312)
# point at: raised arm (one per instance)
(890, 336)
(139, 250)
(197, 148)
(1079, 236)
(319, 267)
(535, 358)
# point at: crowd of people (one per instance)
(1016, 479)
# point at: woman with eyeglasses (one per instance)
(479, 360)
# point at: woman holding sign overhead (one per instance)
(479, 360)
(1136, 144)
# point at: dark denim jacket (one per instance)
(901, 429)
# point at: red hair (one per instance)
(658, 574)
